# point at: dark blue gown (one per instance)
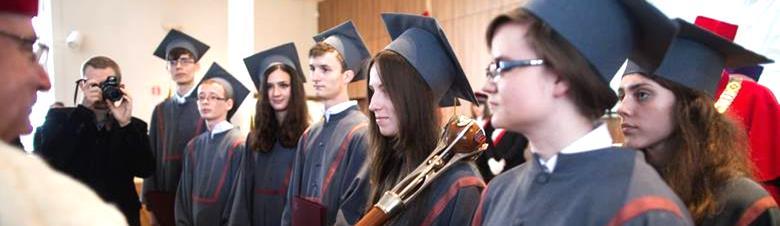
(327, 161)
(208, 178)
(610, 186)
(744, 202)
(451, 199)
(262, 186)
(173, 125)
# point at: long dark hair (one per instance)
(267, 128)
(392, 158)
(707, 150)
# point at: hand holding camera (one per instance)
(108, 95)
(124, 111)
(93, 97)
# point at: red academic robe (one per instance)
(758, 111)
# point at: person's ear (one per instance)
(560, 87)
(348, 75)
(229, 102)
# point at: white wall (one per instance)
(129, 31)
(758, 21)
(278, 22)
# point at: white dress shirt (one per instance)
(596, 139)
(338, 108)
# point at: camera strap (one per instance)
(76, 91)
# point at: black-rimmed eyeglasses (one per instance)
(496, 67)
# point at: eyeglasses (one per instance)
(210, 98)
(496, 67)
(182, 61)
(38, 50)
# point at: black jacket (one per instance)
(106, 160)
(510, 148)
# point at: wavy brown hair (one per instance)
(267, 128)
(392, 158)
(707, 149)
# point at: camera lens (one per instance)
(112, 93)
(110, 89)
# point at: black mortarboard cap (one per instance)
(697, 57)
(285, 54)
(753, 71)
(606, 32)
(240, 91)
(421, 41)
(347, 41)
(177, 39)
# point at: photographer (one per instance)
(99, 143)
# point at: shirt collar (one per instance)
(182, 99)
(220, 128)
(596, 139)
(338, 108)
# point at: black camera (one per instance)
(110, 89)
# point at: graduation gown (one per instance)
(209, 172)
(451, 199)
(262, 186)
(609, 186)
(743, 202)
(173, 125)
(105, 159)
(327, 161)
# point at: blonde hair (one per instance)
(221, 82)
